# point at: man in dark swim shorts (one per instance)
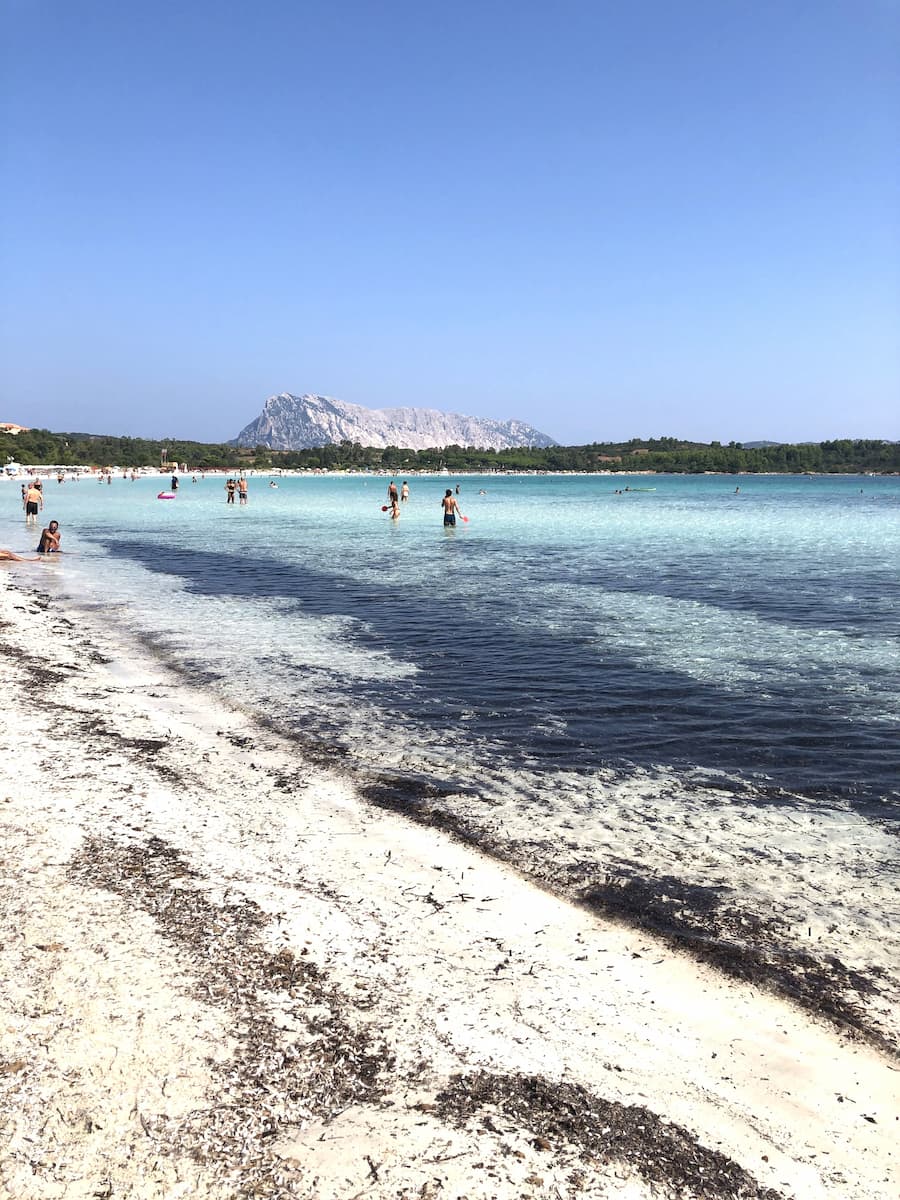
(34, 499)
(450, 506)
(50, 537)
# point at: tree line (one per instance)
(40, 447)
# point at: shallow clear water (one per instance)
(689, 690)
(750, 635)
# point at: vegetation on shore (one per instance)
(40, 447)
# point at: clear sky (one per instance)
(608, 219)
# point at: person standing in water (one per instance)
(450, 506)
(404, 492)
(242, 490)
(34, 500)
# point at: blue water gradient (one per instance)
(564, 627)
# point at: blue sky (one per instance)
(607, 219)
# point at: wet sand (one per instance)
(227, 973)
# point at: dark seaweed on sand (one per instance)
(604, 1131)
(695, 919)
(741, 944)
(272, 1081)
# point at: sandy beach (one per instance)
(226, 974)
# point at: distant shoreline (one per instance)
(43, 472)
(666, 455)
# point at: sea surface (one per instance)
(694, 627)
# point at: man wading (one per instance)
(451, 507)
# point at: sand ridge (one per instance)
(224, 971)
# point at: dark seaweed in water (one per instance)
(663, 1154)
(612, 708)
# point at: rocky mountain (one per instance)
(301, 422)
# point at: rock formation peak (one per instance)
(289, 422)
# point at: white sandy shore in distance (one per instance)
(224, 975)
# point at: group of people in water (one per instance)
(236, 487)
(33, 503)
(449, 503)
(396, 498)
(49, 543)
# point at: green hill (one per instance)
(667, 454)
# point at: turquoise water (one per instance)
(750, 638)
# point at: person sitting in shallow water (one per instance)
(50, 539)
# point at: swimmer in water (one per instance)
(450, 506)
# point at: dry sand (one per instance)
(225, 975)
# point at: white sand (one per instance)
(133, 1062)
